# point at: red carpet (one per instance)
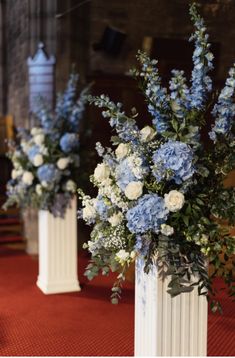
(77, 324)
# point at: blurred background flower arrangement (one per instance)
(46, 158)
(160, 188)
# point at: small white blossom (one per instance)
(88, 212)
(134, 190)
(174, 200)
(71, 186)
(39, 189)
(62, 163)
(38, 160)
(27, 178)
(36, 130)
(167, 230)
(116, 219)
(39, 139)
(122, 256)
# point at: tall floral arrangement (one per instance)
(46, 158)
(159, 189)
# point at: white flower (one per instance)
(62, 163)
(147, 134)
(71, 186)
(14, 174)
(167, 230)
(122, 256)
(174, 200)
(122, 150)
(27, 178)
(39, 139)
(101, 172)
(116, 219)
(134, 190)
(39, 189)
(44, 184)
(37, 160)
(25, 146)
(133, 255)
(36, 130)
(89, 212)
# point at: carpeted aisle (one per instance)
(76, 324)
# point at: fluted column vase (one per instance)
(166, 326)
(58, 252)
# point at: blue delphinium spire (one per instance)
(66, 100)
(202, 59)
(224, 110)
(179, 93)
(156, 95)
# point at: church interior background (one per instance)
(98, 39)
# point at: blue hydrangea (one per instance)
(124, 174)
(33, 151)
(69, 142)
(101, 208)
(173, 156)
(48, 173)
(149, 213)
(224, 110)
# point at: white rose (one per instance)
(134, 190)
(116, 219)
(71, 186)
(147, 134)
(62, 163)
(122, 256)
(39, 189)
(174, 200)
(39, 139)
(101, 172)
(122, 150)
(27, 178)
(88, 212)
(167, 230)
(38, 160)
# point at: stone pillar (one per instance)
(30, 218)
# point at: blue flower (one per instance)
(149, 213)
(69, 142)
(176, 157)
(101, 208)
(124, 175)
(48, 173)
(224, 110)
(33, 151)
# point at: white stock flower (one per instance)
(174, 200)
(134, 190)
(71, 186)
(39, 139)
(88, 212)
(36, 130)
(39, 189)
(116, 219)
(62, 163)
(27, 178)
(167, 230)
(122, 150)
(147, 134)
(122, 256)
(101, 172)
(37, 160)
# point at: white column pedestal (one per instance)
(166, 326)
(58, 252)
